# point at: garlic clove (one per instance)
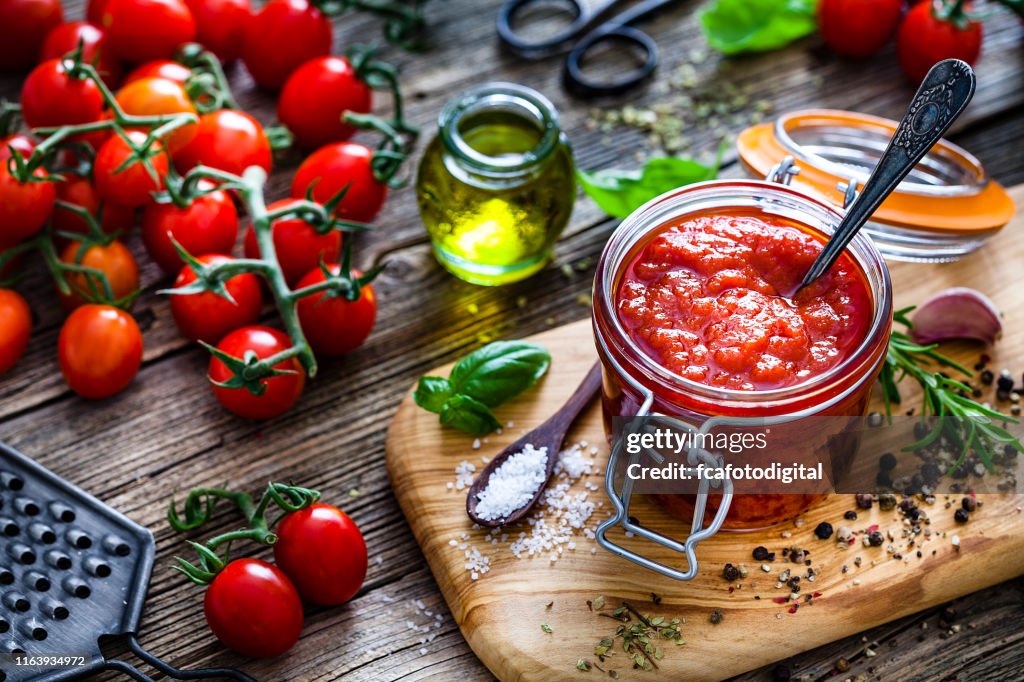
(957, 313)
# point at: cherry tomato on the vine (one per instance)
(15, 328)
(252, 608)
(25, 25)
(114, 260)
(332, 324)
(331, 168)
(160, 97)
(858, 28)
(100, 350)
(281, 391)
(221, 25)
(51, 97)
(133, 185)
(22, 143)
(227, 140)
(321, 549)
(208, 225)
(926, 38)
(24, 206)
(79, 191)
(160, 68)
(209, 317)
(281, 36)
(66, 38)
(299, 247)
(317, 95)
(141, 30)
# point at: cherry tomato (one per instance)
(252, 608)
(281, 36)
(159, 97)
(281, 392)
(221, 25)
(25, 24)
(114, 260)
(100, 350)
(331, 168)
(141, 30)
(65, 39)
(133, 185)
(23, 144)
(15, 328)
(317, 95)
(858, 28)
(926, 38)
(210, 317)
(323, 553)
(299, 247)
(160, 68)
(208, 225)
(79, 191)
(24, 206)
(51, 97)
(228, 140)
(333, 325)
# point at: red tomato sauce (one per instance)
(702, 298)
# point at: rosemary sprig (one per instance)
(963, 422)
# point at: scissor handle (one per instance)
(535, 49)
(577, 82)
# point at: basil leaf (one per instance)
(432, 392)
(499, 371)
(618, 193)
(735, 26)
(471, 416)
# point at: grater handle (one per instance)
(169, 670)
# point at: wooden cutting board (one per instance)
(502, 612)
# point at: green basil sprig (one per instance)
(620, 192)
(736, 26)
(485, 378)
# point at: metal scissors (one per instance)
(586, 31)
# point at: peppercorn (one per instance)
(796, 555)
(930, 472)
(962, 515)
(947, 615)
(875, 539)
(887, 461)
(864, 501)
(920, 430)
(886, 502)
(987, 377)
(1005, 381)
(824, 530)
(762, 554)
(730, 572)
(883, 480)
(716, 617)
(850, 515)
(1010, 451)
(793, 584)
(842, 665)
(969, 504)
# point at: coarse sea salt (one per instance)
(513, 484)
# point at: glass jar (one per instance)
(632, 378)
(496, 186)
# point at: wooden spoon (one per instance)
(550, 434)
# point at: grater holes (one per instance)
(97, 567)
(27, 506)
(12, 647)
(78, 539)
(36, 581)
(40, 532)
(54, 609)
(4, 625)
(11, 481)
(21, 553)
(8, 527)
(6, 576)
(76, 587)
(16, 601)
(33, 629)
(61, 512)
(57, 559)
(116, 546)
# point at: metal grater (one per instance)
(72, 570)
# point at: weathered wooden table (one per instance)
(166, 434)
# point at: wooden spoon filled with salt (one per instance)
(514, 480)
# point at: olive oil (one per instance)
(497, 185)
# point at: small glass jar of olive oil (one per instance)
(496, 186)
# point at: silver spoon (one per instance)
(942, 97)
(550, 434)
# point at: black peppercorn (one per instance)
(730, 572)
(947, 615)
(716, 617)
(920, 430)
(886, 502)
(987, 377)
(961, 515)
(930, 472)
(864, 501)
(969, 504)
(762, 554)
(887, 461)
(824, 530)
(850, 515)
(1010, 451)
(1005, 381)
(875, 539)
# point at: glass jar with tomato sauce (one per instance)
(691, 322)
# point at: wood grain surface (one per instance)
(501, 611)
(166, 434)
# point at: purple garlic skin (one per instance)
(957, 313)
